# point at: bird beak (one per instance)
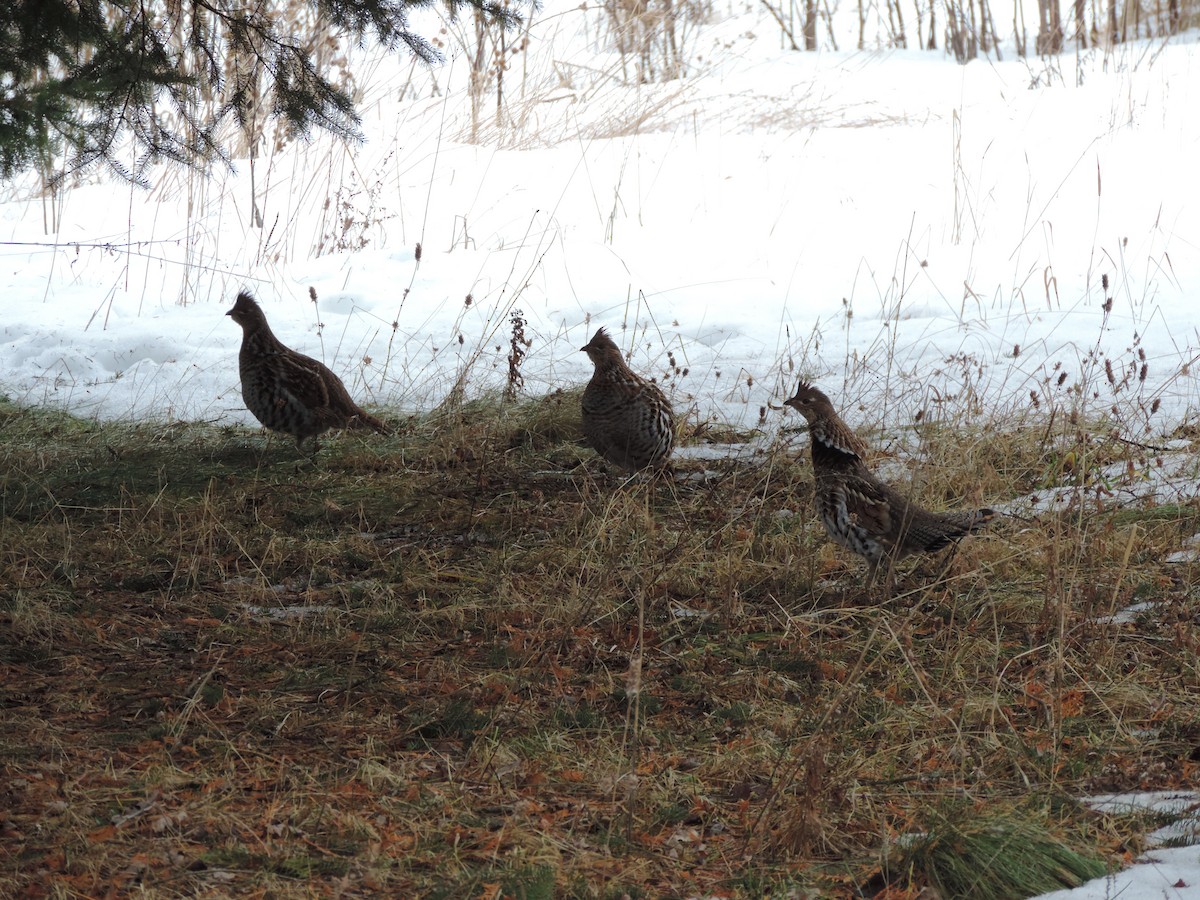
(230, 313)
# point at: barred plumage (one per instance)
(858, 510)
(288, 391)
(627, 419)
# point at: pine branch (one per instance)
(86, 77)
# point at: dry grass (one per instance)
(516, 675)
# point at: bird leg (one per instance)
(889, 581)
(872, 570)
(308, 447)
(889, 576)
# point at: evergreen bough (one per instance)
(81, 76)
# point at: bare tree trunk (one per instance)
(1049, 39)
(972, 32)
(957, 36)
(829, 27)
(477, 81)
(895, 24)
(1080, 25)
(810, 24)
(1019, 27)
(784, 26)
(501, 62)
(862, 23)
(1174, 16)
(256, 215)
(671, 47)
(1112, 22)
(989, 27)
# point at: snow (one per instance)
(1163, 874)
(1129, 615)
(1171, 476)
(1184, 805)
(910, 233)
(913, 235)
(1162, 871)
(1189, 553)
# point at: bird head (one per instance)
(809, 401)
(246, 311)
(601, 348)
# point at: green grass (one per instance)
(992, 855)
(522, 675)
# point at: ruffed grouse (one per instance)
(627, 419)
(858, 510)
(288, 391)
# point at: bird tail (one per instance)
(979, 518)
(969, 522)
(947, 528)
(363, 420)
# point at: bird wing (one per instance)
(869, 505)
(655, 394)
(832, 434)
(917, 529)
(302, 379)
